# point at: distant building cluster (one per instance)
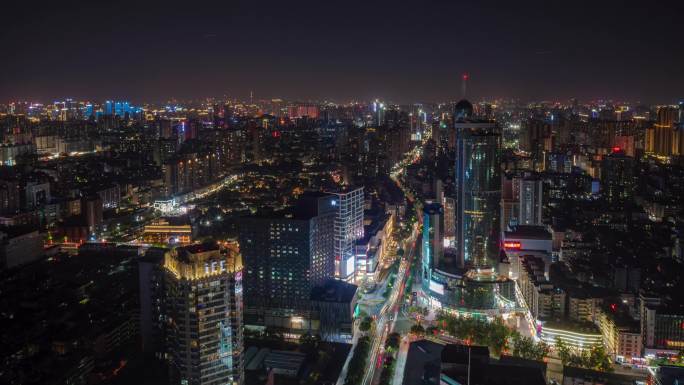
(198, 242)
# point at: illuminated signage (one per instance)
(436, 287)
(512, 245)
(350, 266)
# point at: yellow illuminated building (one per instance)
(163, 232)
(203, 299)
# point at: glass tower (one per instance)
(478, 191)
(348, 229)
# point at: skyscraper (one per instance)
(529, 200)
(433, 238)
(617, 177)
(478, 188)
(285, 257)
(348, 229)
(203, 302)
(663, 139)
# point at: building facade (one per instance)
(478, 189)
(203, 297)
(285, 257)
(348, 229)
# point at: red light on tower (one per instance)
(465, 77)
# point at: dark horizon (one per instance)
(401, 51)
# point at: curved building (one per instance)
(478, 189)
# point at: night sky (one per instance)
(342, 50)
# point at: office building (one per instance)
(529, 200)
(521, 200)
(525, 241)
(617, 177)
(203, 310)
(348, 229)
(478, 188)
(662, 326)
(285, 257)
(433, 236)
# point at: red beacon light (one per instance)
(616, 149)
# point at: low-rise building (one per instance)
(544, 300)
(620, 332)
(19, 246)
(162, 232)
(578, 336)
(662, 326)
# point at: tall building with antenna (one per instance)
(478, 186)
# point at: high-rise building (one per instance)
(662, 139)
(348, 229)
(203, 305)
(617, 177)
(478, 188)
(662, 325)
(433, 237)
(521, 200)
(286, 256)
(536, 137)
(449, 206)
(529, 200)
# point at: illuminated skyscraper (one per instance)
(109, 107)
(433, 237)
(478, 188)
(203, 299)
(348, 229)
(664, 139)
(286, 256)
(529, 200)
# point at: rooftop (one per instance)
(529, 232)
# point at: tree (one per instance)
(525, 347)
(309, 343)
(392, 343)
(594, 358)
(563, 350)
(358, 362)
(366, 324)
(599, 359)
(418, 330)
(497, 334)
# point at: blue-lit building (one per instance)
(88, 110)
(478, 188)
(119, 108)
(109, 107)
(432, 241)
(440, 276)
(464, 279)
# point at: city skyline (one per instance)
(530, 51)
(342, 193)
